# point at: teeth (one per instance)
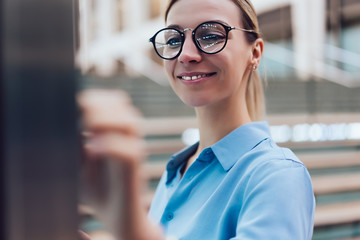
(188, 78)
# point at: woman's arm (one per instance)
(114, 136)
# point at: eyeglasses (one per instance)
(209, 37)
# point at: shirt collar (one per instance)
(179, 159)
(240, 141)
(228, 150)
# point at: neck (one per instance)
(215, 122)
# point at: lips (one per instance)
(194, 76)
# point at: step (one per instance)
(336, 183)
(330, 159)
(338, 213)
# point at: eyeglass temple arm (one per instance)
(245, 30)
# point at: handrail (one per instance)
(342, 55)
(321, 69)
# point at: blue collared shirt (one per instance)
(242, 187)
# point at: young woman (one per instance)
(235, 183)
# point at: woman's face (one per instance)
(223, 75)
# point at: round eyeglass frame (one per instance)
(197, 44)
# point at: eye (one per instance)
(211, 41)
(212, 38)
(173, 42)
(210, 33)
(171, 38)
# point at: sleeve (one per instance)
(278, 203)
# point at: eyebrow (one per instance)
(221, 21)
(176, 26)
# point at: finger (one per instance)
(128, 150)
(115, 121)
(83, 236)
(107, 101)
(96, 97)
(109, 110)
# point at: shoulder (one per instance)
(276, 190)
(268, 155)
(269, 164)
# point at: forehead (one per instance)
(189, 13)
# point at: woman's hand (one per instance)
(113, 136)
(112, 126)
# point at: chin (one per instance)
(196, 102)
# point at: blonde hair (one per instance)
(254, 94)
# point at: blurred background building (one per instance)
(311, 70)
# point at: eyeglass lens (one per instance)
(168, 43)
(209, 37)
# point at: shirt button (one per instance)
(169, 216)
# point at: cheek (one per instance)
(169, 69)
(238, 62)
(239, 49)
(232, 65)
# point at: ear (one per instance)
(257, 52)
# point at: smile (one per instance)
(194, 77)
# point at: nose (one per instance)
(190, 53)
